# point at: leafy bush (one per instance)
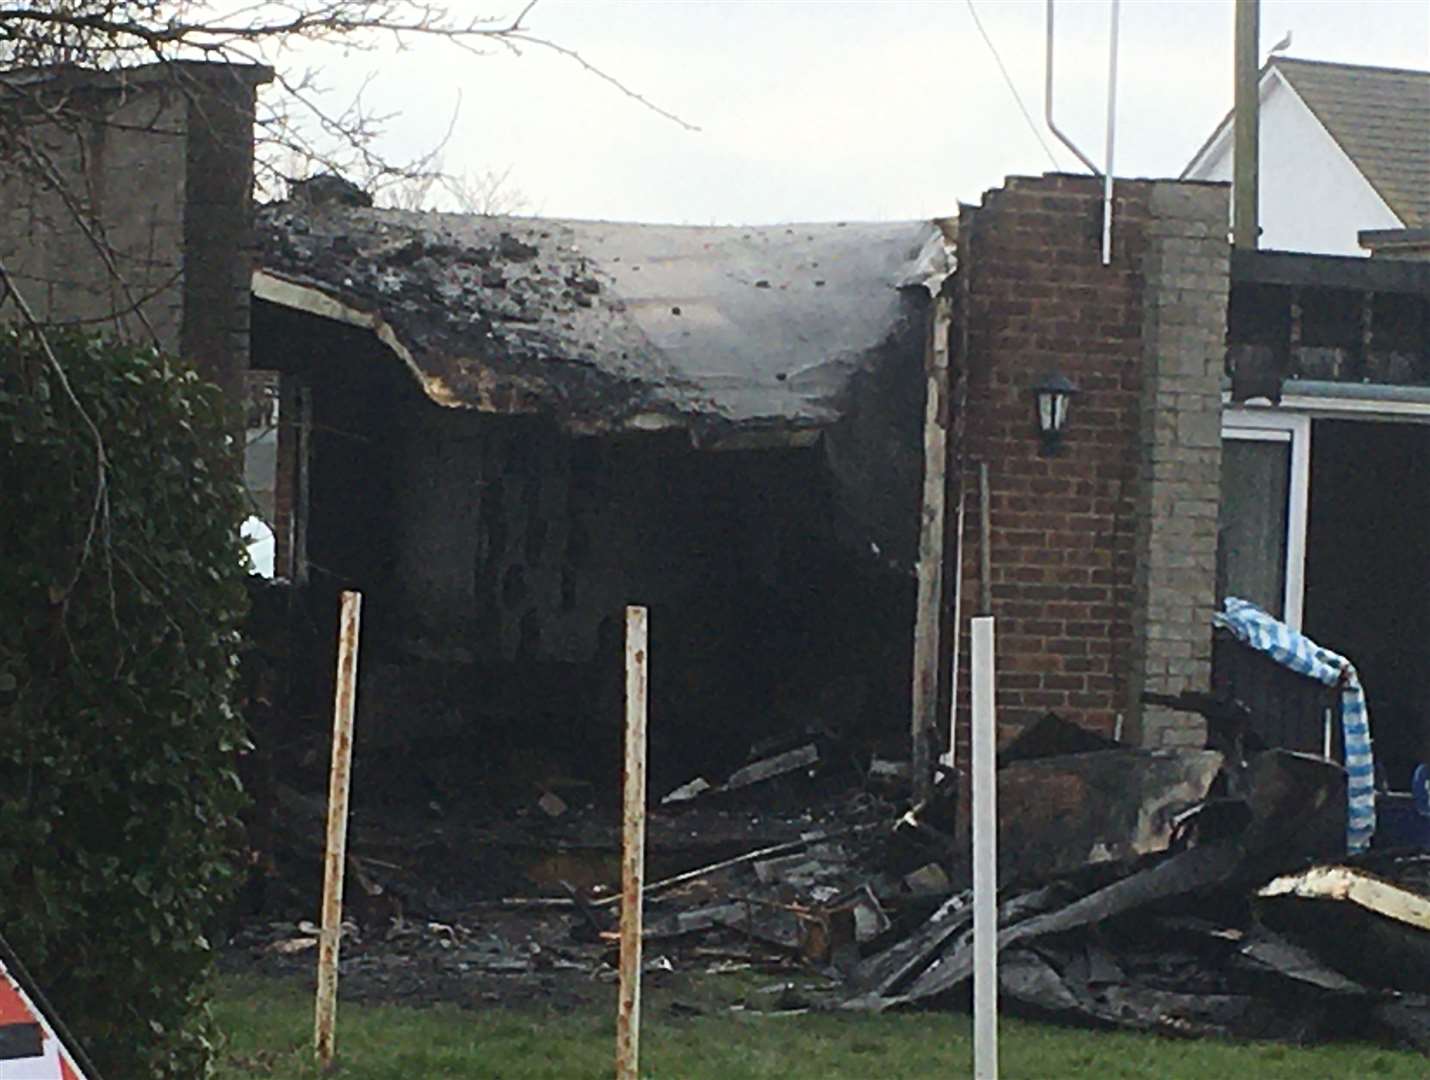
(118, 650)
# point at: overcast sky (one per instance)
(836, 111)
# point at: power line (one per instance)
(1013, 89)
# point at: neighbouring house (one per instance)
(1325, 515)
(126, 204)
(1345, 149)
(1325, 505)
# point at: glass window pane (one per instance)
(1251, 548)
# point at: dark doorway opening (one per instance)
(1368, 574)
(496, 553)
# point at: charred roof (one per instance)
(609, 326)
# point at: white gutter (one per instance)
(1107, 171)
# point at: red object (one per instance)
(54, 1062)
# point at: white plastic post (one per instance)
(985, 855)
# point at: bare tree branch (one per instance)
(520, 37)
(487, 192)
(42, 40)
(296, 122)
(122, 25)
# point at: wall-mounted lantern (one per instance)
(1054, 394)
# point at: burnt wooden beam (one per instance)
(1330, 272)
(933, 515)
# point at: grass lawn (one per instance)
(268, 1025)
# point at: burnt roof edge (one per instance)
(1354, 272)
(311, 298)
(308, 297)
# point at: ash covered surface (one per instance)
(1246, 925)
(452, 909)
(611, 326)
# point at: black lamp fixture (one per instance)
(1054, 393)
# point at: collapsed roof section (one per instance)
(607, 327)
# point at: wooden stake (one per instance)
(931, 550)
(335, 855)
(628, 1014)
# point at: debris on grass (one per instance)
(1184, 892)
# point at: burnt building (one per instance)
(503, 431)
(507, 429)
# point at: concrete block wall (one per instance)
(1103, 555)
(93, 219)
(132, 213)
(1187, 280)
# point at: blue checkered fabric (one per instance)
(1294, 650)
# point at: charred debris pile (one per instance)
(1186, 892)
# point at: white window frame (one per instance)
(1267, 425)
(1291, 420)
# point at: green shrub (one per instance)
(118, 651)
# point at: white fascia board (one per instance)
(299, 296)
(1219, 144)
(1212, 150)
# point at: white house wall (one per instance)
(1313, 198)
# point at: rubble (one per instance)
(803, 758)
(1059, 813)
(890, 775)
(1373, 925)
(1347, 885)
(1185, 892)
(929, 879)
(799, 758)
(687, 791)
(1051, 736)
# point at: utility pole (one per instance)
(1246, 125)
